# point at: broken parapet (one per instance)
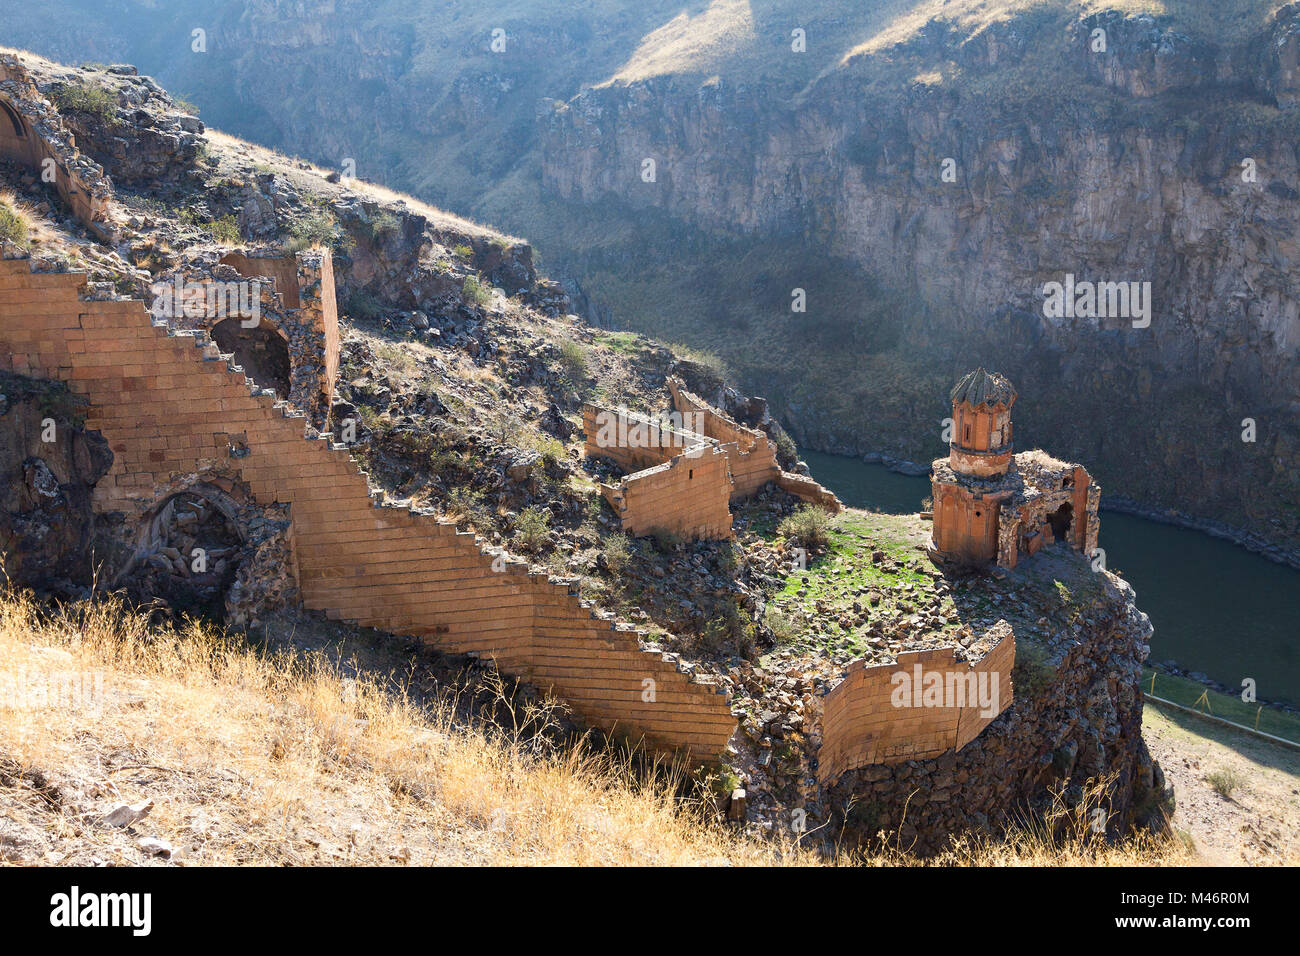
(751, 454)
(920, 707)
(275, 314)
(33, 134)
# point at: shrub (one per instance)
(183, 105)
(381, 225)
(315, 229)
(463, 251)
(362, 305)
(665, 540)
(808, 527)
(618, 551)
(96, 100)
(464, 503)
(532, 528)
(14, 224)
(573, 360)
(782, 625)
(226, 230)
(1224, 781)
(730, 633)
(475, 292)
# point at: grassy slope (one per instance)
(252, 758)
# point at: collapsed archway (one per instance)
(1060, 520)
(188, 554)
(261, 351)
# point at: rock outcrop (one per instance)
(49, 465)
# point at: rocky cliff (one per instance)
(920, 172)
(48, 468)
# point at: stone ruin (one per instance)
(993, 506)
(276, 314)
(685, 467)
(33, 134)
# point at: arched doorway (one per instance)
(1060, 520)
(261, 351)
(188, 553)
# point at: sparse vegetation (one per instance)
(618, 551)
(1224, 781)
(532, 528)
(573, 360)
(808, 527)
(90, 98)
(317, 228)
(226, 230)
(15, 224)
(475, 292)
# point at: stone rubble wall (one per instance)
(862, 725)
(172, 409)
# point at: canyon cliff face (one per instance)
(920, 187)
(1115, 180)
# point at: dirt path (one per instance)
(1259, 823)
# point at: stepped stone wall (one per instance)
(174, 410)
(884, 715)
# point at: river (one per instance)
(1216, 607)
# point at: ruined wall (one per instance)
(751, 453)
(633, 441)
(32, 133)
(1082, 721)
(866, 722)
(688, 496)
(173, 411)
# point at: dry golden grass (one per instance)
(255, 758)
(282, 760)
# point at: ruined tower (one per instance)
(992, 505)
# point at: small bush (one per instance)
(618, 550)
(665, 540)
(475, 292)
(464, 503)
(181, 104)
(362, 305)
(1224, 781)
(96, 100)
(573, 360)
(315, 229)
(463, 251)
(532, 529)
(382, 225)
(782, 625)
(226, 230)
(809, 527)
(14, 224)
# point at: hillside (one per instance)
(459, 377)
(822, 170)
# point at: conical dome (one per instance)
(983, 388)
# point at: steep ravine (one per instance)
(1125, 165)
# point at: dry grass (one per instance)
(254, 758)
(15, 220)
(251, 759)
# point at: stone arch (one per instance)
(262, 351)
(20, 128)
(187, 551)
